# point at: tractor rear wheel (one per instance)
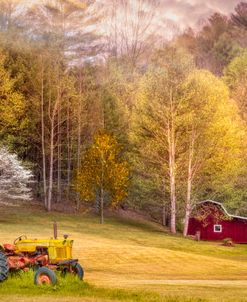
(4, 268)
(45, 276)
(78, 271)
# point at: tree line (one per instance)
(121, 113)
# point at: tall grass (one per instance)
(22, 284)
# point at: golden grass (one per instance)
(138, 256)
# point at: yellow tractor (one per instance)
(44, 256)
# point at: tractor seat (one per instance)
(9, 247)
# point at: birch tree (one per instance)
(212, 137)
(156, 117)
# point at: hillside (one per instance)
(133, 256)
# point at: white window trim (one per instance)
(217, 225)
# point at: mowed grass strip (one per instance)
(135, 256)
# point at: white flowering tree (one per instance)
(14, 178)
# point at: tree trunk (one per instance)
(79, 135)
(171, 143)
(68, 152)
(51, 167)
(59, 147)
(51, 156)
(189, 187)
(43, 137)
(101, 205)
(172, 192)
(164, 215)
(188, 207)
(164, 207)
(102, 191)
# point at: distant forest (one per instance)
(104, 106)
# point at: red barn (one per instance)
(212, 220)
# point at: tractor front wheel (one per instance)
(4, 268)
(78, 271)
(45, 276)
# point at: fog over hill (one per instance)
(183, 13)
(193, 12)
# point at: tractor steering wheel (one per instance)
(20, 238)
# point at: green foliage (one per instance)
(225, 50)
(12, 105)
(220, 135)
(203, 114)
(102, 168)
(115, 117)
(235, 75)
(236, 71)
(216, 44)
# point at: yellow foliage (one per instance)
(12, 105)
(102, 168)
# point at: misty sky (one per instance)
(183, 13)
(191, 12)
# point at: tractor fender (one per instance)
(9, 247)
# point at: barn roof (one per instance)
(223, 208)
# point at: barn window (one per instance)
(217, 228)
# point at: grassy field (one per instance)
(127, 261)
